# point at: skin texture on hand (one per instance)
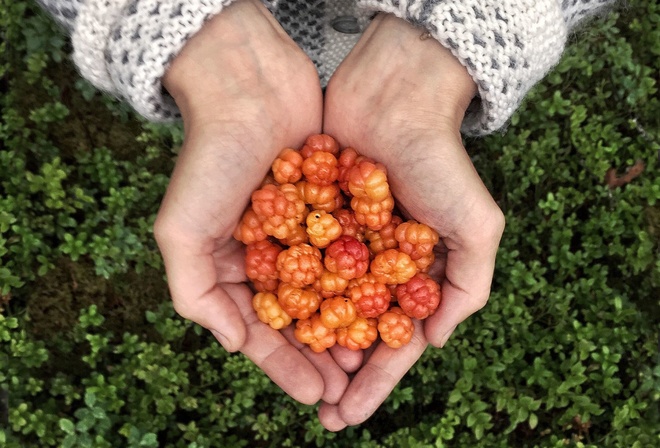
(245, 91)
(400, 99)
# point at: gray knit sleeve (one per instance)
(124, 47)
(506, 45)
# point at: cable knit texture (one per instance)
(125, 46)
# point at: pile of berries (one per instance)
(325, 247)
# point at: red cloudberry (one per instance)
(320, 168)
(319, 142)
(370, 299)
(299, 265)
(269, 310)
(395, 327)
(349, 225)
(312, 332)
(347, 159)
(261, 266)
(393, 267)
(419, 297)
(358, 335)
(347, 257)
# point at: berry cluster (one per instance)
(326, 249)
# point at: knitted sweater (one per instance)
(125, 46)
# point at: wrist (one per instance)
(413, 57)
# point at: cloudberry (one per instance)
(312, 332)
(322, 228)
(269, 310)
(280, 209)
(330, 284)
(250, 229)
(374, 214)
(347, 159)
(383, 239)
(296, 235)
(366, 179)
(347, 257)
(298, 303)
(299, 265)
(416, 239)
(321, 197)
(370, 299)
(287, 167)
(337, 312)
(358, 335)
(419, 297)
(395, 327)
(393, 267)
(320, 168)
(260, 265)
(319, 142)
(349, 224)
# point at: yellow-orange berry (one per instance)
(330, 284)
(367, 179)
(299, 265)
(280, 209)
(287, 167)
(395, 327)
(296, 235)
(269, 310)
(383, 239)
(393, 267)
(322, 228)
(337, 312)
(312, 332)
(321, 197)
(359, 335)
(416, 239)
(298, 303)
(374, 214)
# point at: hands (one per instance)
(401, 100)
(245, 91)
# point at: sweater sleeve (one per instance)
(124, 47)
(506, 45)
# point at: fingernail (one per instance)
(222, 340)
(446, 336)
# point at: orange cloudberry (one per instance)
(322, 228)
(367, 179)
(393, 267)
(359, 335)
(250, 229)
(299, 303)
(416, 239)
(261, 266)
(269, 310)
(287, 167)
(299, 265)
(319, 142)
(395, 327)
(374, 214)
(337, 312)
(312, 332)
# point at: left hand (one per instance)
(401, 100)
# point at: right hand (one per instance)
(245, 91)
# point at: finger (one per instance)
(468, 271)
(335, 380)
(348, 360)
(272, 353)
(380, 374)
(196, 295)
(330, 418)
